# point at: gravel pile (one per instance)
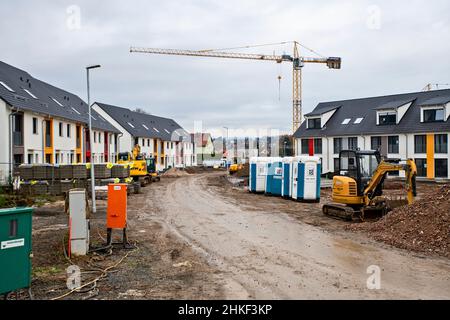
(423, 226)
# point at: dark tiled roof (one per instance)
(73, 108)
(146, 125)
(366, 108)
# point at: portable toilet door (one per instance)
(277, 170)
(297, 178)
(286, 175)
(261, 173)
(269, 178)
(253, 175)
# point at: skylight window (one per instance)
(57, 102)
(30, 93)
(167, 131)
(146, 128)
(130, 125)
(6, 86)
(76, 110)
(358, 120)
(93, 117)
(155, 129)
(346, 121)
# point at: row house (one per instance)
(158, 137)
(414, 125)
(41, 123)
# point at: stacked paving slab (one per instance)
(41, 179)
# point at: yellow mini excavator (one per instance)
(142, 170)
(358, 189)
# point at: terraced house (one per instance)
(413, 125)
(41, 123)
(158, 137)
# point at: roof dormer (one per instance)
(319, 118)
(436, 109)
(392, 112)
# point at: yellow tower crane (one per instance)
(297, 65)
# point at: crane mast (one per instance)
(296, 60)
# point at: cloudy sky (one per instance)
(387, 47)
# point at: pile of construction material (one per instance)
(422, 226)
(175, 173)
(41, 179)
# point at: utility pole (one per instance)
(94, 207)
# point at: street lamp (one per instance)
(94, 208)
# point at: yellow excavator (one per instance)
(358, 189)
(142, 169)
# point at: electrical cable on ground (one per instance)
(94, 281)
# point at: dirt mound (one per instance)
(175, 173)
(423, 226)
(243, 172)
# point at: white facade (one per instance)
(406, 149)
(4, 143)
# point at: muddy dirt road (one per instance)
(264, 253)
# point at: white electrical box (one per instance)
(79, 222)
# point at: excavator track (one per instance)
(344, 212)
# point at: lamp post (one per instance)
(94, 207)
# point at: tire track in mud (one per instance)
(264, 254)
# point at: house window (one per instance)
(305, 146)
(336, 164)
(68, 130)
(420, 144)
(433, 115)
(57, 158)
(337, 145)
(314, 123)
(387, 118)
(375, 143)
(353, 143)
(318, 146)
(35, 126)
(60, 129)
(393, 144)
(441, 168)
(99, 137)
(95, 136)
(148, 142)
(421, 165)
(440, 143)
(30, 158)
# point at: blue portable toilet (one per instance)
(306, 178)
(286, 177)
(258, 173)
(273, 178)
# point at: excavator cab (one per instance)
(359, 165)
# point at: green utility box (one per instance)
(15, 249)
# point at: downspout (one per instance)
(43, 140)
(118, 145)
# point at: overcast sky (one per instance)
(387, 47)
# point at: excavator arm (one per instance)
(384, 167)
